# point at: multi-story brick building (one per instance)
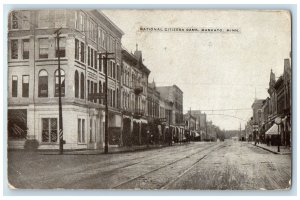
(134, 98)
(174, 95)
(278, 104)
(153, 101)
(33, 77)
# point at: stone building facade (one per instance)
(33, 77)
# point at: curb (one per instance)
(274, 152)
(112, 151)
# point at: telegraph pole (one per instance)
(60, 118)
(105, 59)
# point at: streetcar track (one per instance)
(132, 162)
(187, 170)
(161, 167)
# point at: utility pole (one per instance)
(60, 118)
(105, 59)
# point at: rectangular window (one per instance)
(109, 68)
(20, 20)
(49, 130)
(62, 48)
(14, 49)
(91, 130)
(113, 70)
(43, 47)
(26, 49)
(60, 18)
(89, 55)
(108, 42)
(103, 39)
(88, 90)
(76, 20)
(76, 49)
(114, 98)
(95, 61)
(25, 19)
(25, 86)
(99, 37)
(81, 130)
(101, 64)
(14, 86)
(82, 52)
(81, 22)
(95, 91)
(92, 57)
(15, 21)
(118, 72)
(92, 88)
(43, 20)
(62, 81)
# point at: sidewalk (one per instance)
(111, 150)
(274, 149)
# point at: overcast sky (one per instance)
(214, 70)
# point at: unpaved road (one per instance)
(216, 165)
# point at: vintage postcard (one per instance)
(149, 99)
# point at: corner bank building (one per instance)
(33, 78)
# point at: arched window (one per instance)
(76, 84)
(43, 84)
(62, 80)
(82, 86)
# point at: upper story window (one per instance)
(76, 84)
(43, 84)
(114, 70)
(82, 90)
(43, 18)
(76, 49)
(20, 20)
(103, 39)
(25, 49)
(62, 80)
(62, 47)
(100, 36)
(60, 18)
(15, 20)
(14, 86)
(79, 50)
(80, 21)
(82, 52)
(14, 49)
(118, 72)
(92, 29)
(43, 47)
(25, 86)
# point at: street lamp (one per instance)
(278, 121)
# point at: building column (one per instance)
(32, 129)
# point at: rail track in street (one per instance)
(113, 166)
(206, 152)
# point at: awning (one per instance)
(273, 130)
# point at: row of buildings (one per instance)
(137, 107)
(277, 106)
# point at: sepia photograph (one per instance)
(149, 99)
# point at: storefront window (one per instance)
(49, 130)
